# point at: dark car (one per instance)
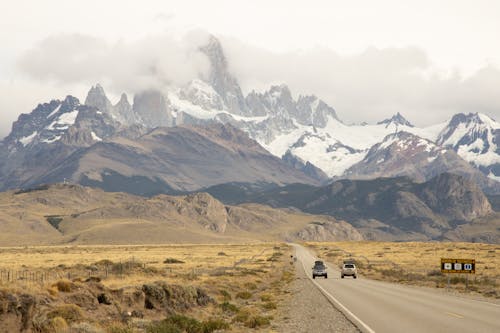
(319, 269)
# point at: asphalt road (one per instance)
(376, 306)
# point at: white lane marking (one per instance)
(339, 305)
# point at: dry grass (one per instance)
(418, 262)
(242, 270)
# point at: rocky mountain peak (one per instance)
(97, 98)
(397, 119)
(314, 111)
(153, 108)
(69, 103)
(221, 80)
(123, 100)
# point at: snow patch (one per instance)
(54, 139)
(55, 111)
(64, 121)
(95, 137)
(26, 140)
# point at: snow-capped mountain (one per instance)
(475, 137)
(304, 131)
(406, 154)
(397, 119)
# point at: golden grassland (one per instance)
(247, 281)
(418, 262)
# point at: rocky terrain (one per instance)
(387, 208)
(58, 214)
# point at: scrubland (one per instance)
(157, 288)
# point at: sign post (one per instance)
(460, 266)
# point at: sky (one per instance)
(368, 59)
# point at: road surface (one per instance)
(376, 306)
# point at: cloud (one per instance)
(152, 62)
(370, 85)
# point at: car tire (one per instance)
(354, 276)
(314, 276)
(326, 276)
(341, 276)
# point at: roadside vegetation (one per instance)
(122, 289)
(418, 263)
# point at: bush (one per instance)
(244, 295)
(250, 285)
(228, 307)
(242, 316)
(58, 324)
(257, 321)
(180, 323)
(435, 273)
(69, 312)
(226, 295)
(64, 286)
(173, 261)
(269, 306)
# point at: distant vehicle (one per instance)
(349, 269)
(319, 269)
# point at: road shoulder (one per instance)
(308, 310)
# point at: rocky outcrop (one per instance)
(455, 197)
(328, 231)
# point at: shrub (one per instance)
(244, 295)
(250, 285)
(69, 312)
(64, 286)
(58, 324)
(225, 294)
(181, 323)
(435, 273)
(269, 306)
(242, 316)
(266, 298)
(257, 321)
(173, 261)
(228, 307)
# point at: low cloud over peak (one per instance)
(368, 86)
(152, 62)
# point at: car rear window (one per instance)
(349, 266)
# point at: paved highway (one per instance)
(376, 306)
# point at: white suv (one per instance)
(349, 269)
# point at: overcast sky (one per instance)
(368, 59)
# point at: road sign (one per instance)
(458, 266)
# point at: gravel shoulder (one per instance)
(308, 310)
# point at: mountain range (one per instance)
(208, 132)
(446, 207)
